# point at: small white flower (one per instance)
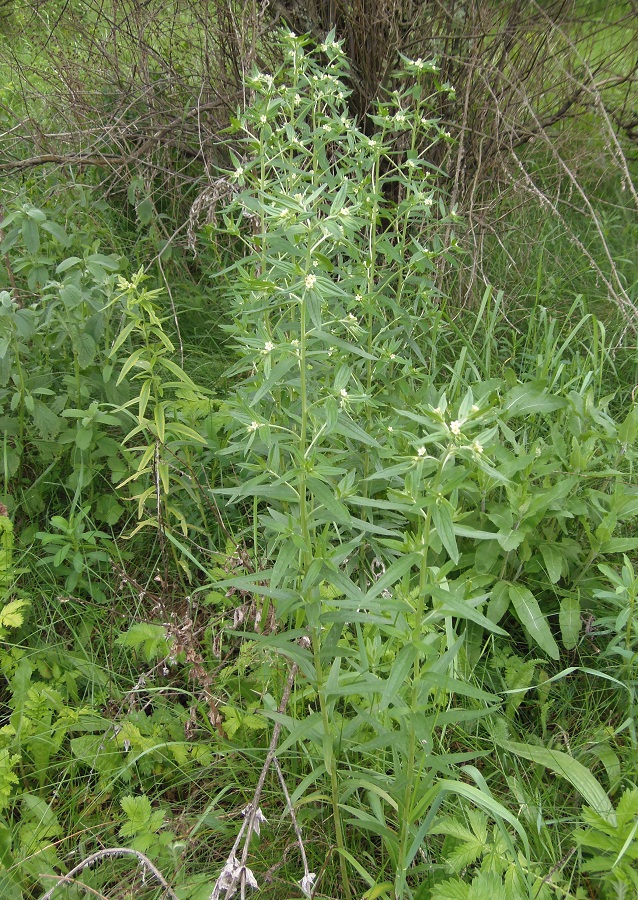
(326, 127)
(455, 427)
(393, 356)
(268, 346)
(239, 171)
(284, 213)
(372, 142)
(358, 298)
(411, 164)
(306, 883)
(399, 117)
(421, 451)
(419, 63)
(351, 318)
(295, 343)
(345, 211)
(263, 119)
(310, 281)
(343, 393)
(477, 447)
(331, 350)
(475, 408)
(253, 426)
(323, 47)
(292, 35)
(297, 99)
(298, 198)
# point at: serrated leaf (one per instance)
(11, 615)
(138, 811)
(531, 617)
(85, 348)
(45, 420)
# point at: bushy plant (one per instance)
(404, 509)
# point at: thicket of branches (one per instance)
(545, 104)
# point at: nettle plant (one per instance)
(397, 518)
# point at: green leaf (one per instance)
(71, 295)
(145, 211)
(398, 675)
(67, 264)
(85, 348)
(45, 420)
(525, 399)
(553, 559)
(31, 236)
(151, 637)
(57, 232)
(499, 602)
(531, 617)
(569, 768)
(442, 518)
(83, 437)
(569, 621)
(11, 615)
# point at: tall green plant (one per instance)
(396, 520)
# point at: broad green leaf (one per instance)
(145, 211)
(31, 235)
(525, 399)
(71, 295)
(553, 559)
(85, 348)
(499, 602)
(45, 420)
(569, 621)
(531, 617)
(57, 232)
(569, 768)
(67, 264)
